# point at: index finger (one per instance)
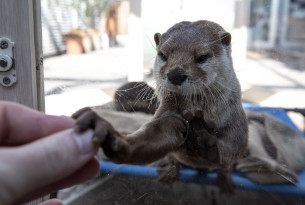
(20, 124)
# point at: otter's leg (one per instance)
(151, 142)
(225, 182)
(207, 146)
(203, 138)
(169, 173)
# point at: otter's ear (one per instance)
(157, 37)
(225, 38)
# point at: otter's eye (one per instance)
(203, 58)
(162, 56)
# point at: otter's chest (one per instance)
(190, 111)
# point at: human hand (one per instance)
(40, 154)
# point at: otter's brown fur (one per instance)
(196, 80)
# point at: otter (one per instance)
(200, 121)
(135, 97)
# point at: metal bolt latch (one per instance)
(6, 62)
(7, 65)
(6, 80)
(3, 44)
(3, 62)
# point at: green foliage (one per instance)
(92, 9)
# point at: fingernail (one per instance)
(84, 142)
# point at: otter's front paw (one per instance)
(168, 174)
(205, 138)
(86, 118)
(168, 170)
(113, 144)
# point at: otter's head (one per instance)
(192, 58)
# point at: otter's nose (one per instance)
(176, 76)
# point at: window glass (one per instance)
(92, 47)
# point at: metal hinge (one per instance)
(7, 62)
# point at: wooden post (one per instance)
(20, 21)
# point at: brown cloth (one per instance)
(275, 150)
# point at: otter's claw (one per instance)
(88, 119)
(113, 144)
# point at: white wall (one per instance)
(159, 15)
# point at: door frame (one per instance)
(22, 25)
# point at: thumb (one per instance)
(52, 202)
(45, 161)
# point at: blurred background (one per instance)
(91, 47)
